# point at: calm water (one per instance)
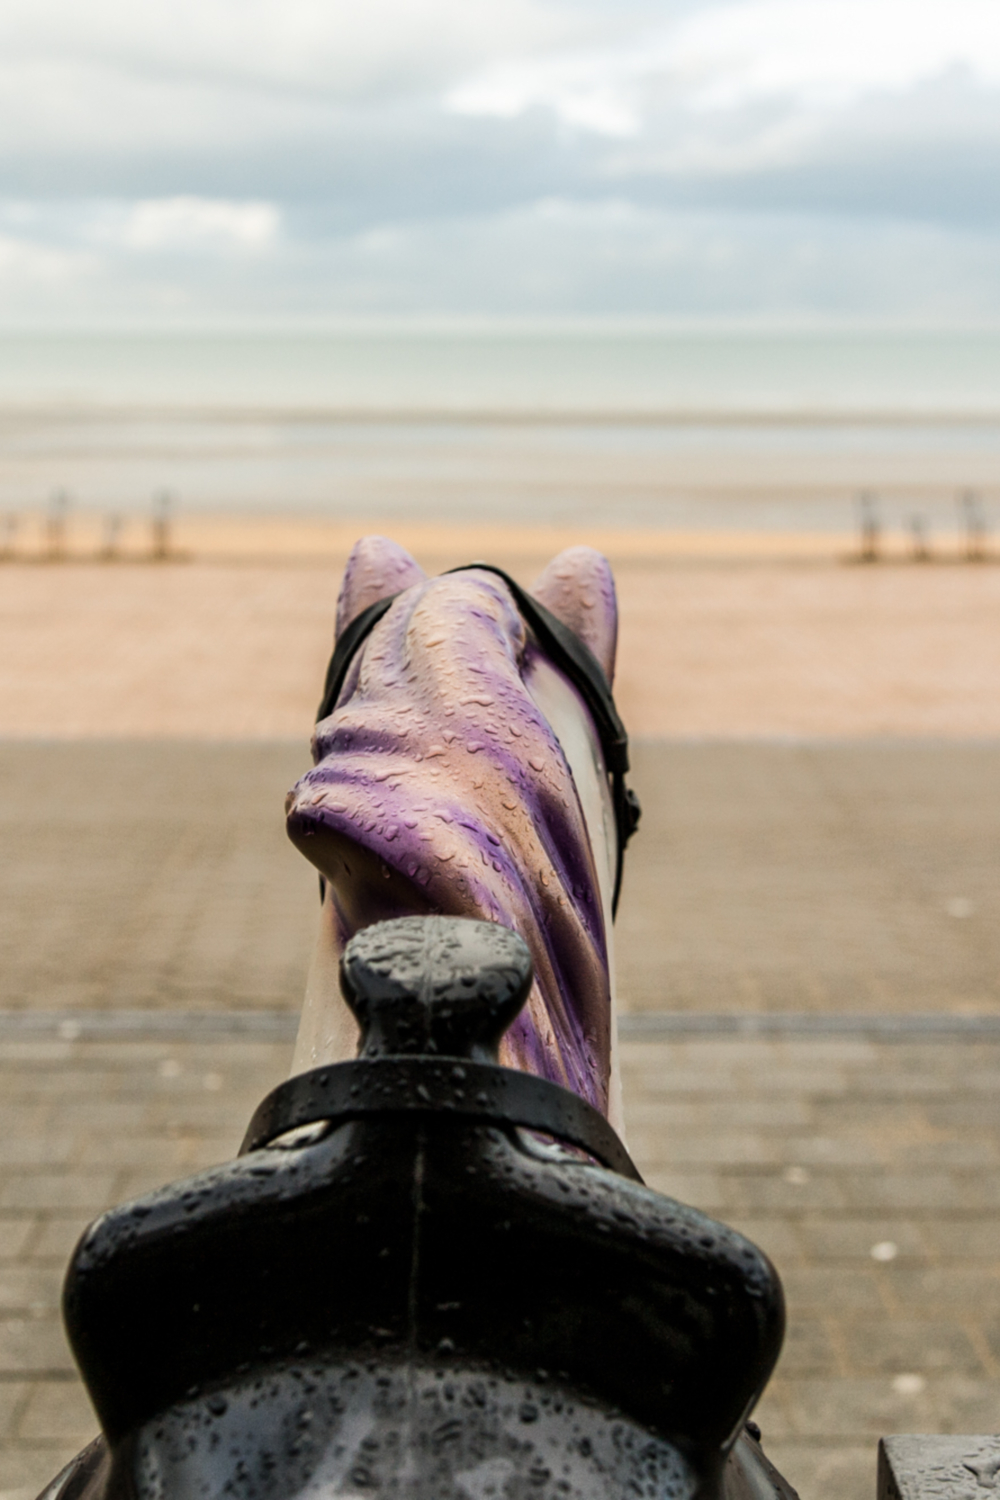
(654, 428)
(518, 370)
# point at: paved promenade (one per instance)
(788, 880)
(803, 877)
(870, 1174)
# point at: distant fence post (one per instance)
(112, 535)
(55, 526)
(162, 508)
(871, 527)
(975, 526)
(10, 524)
(921, 538)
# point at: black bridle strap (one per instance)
(375, 1088)
(350, 638)
(576, 661)
(567, 652)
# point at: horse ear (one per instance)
(579, 589)
(375, 569)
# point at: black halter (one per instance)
(567, 652)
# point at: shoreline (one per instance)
(269, 540)
(299, 413)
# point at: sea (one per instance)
(642, 425)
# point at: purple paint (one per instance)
(439, 786)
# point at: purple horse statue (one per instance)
(460, 771)
(433, 1272)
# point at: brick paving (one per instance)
(857, 876)
(821, 1151)
(151, 875)
(805, 877)
(87, 1125)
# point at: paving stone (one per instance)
(958, 1403)
(827, 1471)
(686, 1148)
(962, 1237)
(854, 1238)
(186, 890)
(120, 1116)
(823, 1289)
(899, 1346)
(156, 1152)
(57, 1237)
(990, 1329)
(28, 1288)
(946, 1287)
(13, 1397)
(792, 1191)
(962, 1155)
(808, 1349)
(853, 1407)
(49, 1148)
(15, 1232)
(737, 1111)
(962, 1112)
(26, 1468)
(58, 1411)
(702, 1189)
(819, 1150)
(934, 1191)
(777, 1237)
(89, 1190)
(33, 1346)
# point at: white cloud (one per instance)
(500, 155)
(554, 257)
(335, 48)
(828, 52)
(26, 263)
(188, 223)
(595, 93)
(813, 54)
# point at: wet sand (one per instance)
(722, 635)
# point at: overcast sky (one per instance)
(204, 160)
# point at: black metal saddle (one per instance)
(425, 1277)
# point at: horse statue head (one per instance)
(460, 769)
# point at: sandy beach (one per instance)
(721, 635)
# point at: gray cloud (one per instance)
(236, 158)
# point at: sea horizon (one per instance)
(527, 369)
(645, 426)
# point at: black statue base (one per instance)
(409, 1285)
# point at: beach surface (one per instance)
(722, 634)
